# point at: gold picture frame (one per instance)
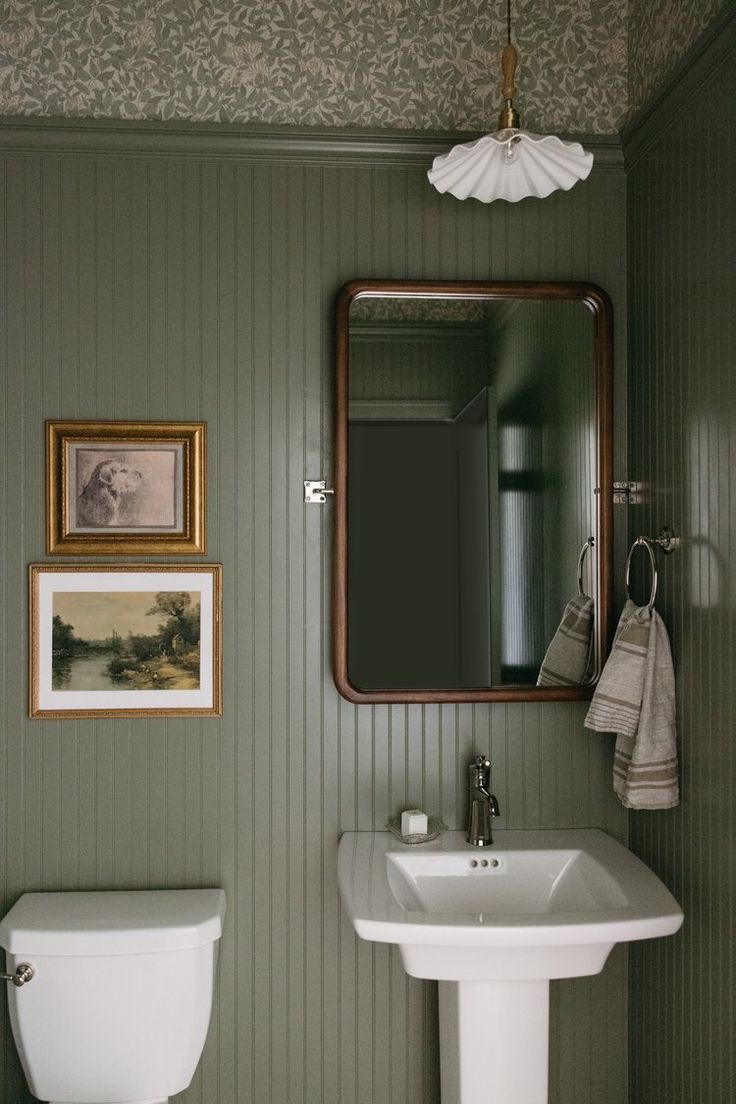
(123, 640)
(125, 488)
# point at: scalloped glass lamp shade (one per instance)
(510, 164)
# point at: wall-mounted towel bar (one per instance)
(667, 541)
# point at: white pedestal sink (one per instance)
(494, 925)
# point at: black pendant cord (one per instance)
(508, 22)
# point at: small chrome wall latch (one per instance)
(23, 973)
(315, 490)
(628, 494)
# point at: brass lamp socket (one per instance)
(508, 117)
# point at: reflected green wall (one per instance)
(682, 245)
(182, 283)
(545, 354)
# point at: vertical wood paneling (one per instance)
(169, 288)
(683, 445)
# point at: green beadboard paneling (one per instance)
(170, 288)
(682, 244)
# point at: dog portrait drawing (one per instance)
(100, 501)
(126, 489)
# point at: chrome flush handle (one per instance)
(25, 972)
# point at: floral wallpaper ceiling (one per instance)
(426, 64)
(660, 32)
(420, 64)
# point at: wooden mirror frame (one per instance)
(600, 305)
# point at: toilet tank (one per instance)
(120, 1003)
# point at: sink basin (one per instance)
(494, 925)
(558, 880)
(537, 904)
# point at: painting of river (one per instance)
(88, 672)
(128, 640)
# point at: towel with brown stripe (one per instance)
(635, 698)
(568, 655)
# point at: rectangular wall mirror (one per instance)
(473, 490)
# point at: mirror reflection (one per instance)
(472, 467)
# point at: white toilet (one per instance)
(119, 1003)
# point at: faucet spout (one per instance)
(483, 804)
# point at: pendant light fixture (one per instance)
(510, 163)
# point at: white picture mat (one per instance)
(53, 582)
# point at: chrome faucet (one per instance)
(483, 804)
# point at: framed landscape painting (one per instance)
(125, 641)
(125, 488)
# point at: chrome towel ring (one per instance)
(590, 543)
(668, 542)
(645, 543)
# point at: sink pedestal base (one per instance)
(494, 1041)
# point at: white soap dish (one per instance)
(435, 825)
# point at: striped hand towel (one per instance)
(635, 698)
(566, 660)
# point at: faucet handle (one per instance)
(480, 771)
(495, 811)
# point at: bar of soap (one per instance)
(413, 823)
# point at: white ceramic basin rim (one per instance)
(538, 904)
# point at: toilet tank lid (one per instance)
(113, 922)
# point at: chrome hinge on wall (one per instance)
(316, 490)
